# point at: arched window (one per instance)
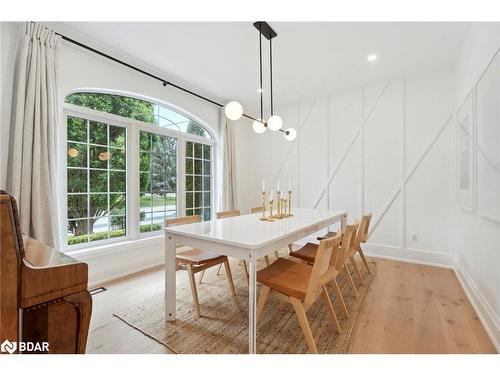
(131, 164)
(138, 109)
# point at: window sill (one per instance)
(116, 247)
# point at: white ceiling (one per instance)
(309, 58)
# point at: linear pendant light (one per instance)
(234, 110)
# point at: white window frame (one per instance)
(133, 128)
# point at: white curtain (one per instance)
(33, 153)
(227, 186)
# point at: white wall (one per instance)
(385, 148)
(477, 240)
(9, 42)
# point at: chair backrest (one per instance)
(348, 238)
(11, 255)
(182, 220)
(224, 214)
(363, 227)
(321, 266)
(254, 210)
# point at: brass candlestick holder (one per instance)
(271, 217)
(279, 206)
(289, 203)
(263, 217)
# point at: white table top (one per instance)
(249, 232)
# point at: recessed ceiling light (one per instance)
(372, 57)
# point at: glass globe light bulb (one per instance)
(275, 123)
(259, 127)
(233, 110)
(290, 134)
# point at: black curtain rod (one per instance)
(163, 81)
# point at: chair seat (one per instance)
(287, 277)
(198, 257)
(328, 235)
(306, 252)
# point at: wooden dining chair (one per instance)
(307, 254)
(301, 285)
(198, 260)
(255, 210)
(363, 232)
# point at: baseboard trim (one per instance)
(424, 257)
(485, 313)
(108, 280)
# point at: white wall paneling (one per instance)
(352, 152)
(477, 239)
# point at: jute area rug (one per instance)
(223, 326)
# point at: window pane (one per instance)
(145, 142)
(189, 166)
(158, 163)
(145, 181)
(117, 136)
(201, 199)
(189, 183)
(77, 155)
(98, 205)
(197, 183)
(197, 166)
(206, 184)
(206, 152)
(77, 231)
(198, 150)
(158, 182)
(144, 161)
(98, 133)
(117, 159)
(98, 181)
(77, 129)
(189, 149)
(197, 200)
(206, 168)
(189, 200)
(99, 157)
(100, 215)
(77, 206)
(77, 180)
(117, 181)
(118, 224)
(117, 204)
(206, 199)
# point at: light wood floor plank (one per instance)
(410, 309)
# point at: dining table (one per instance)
(245, 237)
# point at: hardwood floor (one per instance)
(411, 309)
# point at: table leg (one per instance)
(252, 303)
(170, 289)
(343, 222)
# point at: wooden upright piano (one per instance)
(43, 292)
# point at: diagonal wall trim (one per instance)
(408, 176)
(346, 153)
(285, 159)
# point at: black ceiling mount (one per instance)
(265, 29)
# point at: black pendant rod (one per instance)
(163, 81)
(271, 72)
(260, 68)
